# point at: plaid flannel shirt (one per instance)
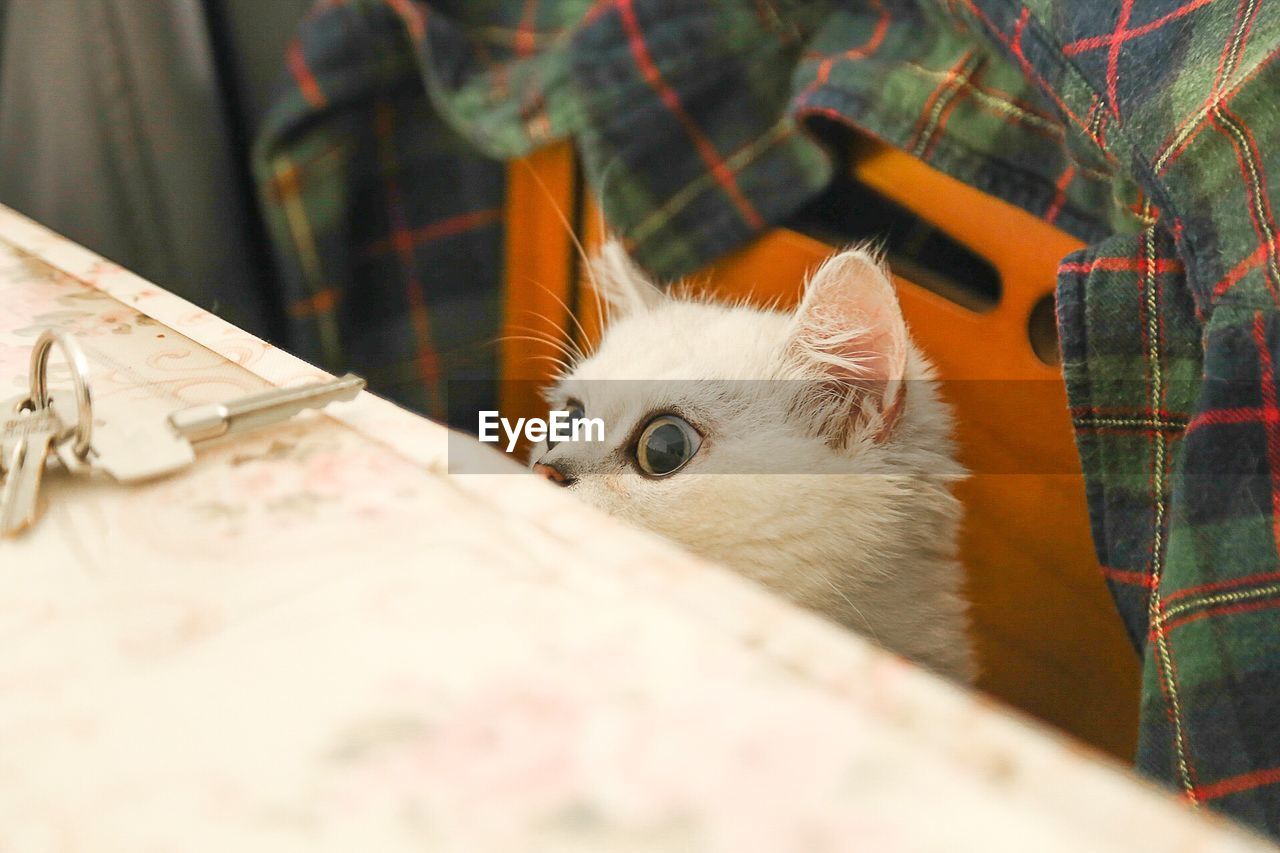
(1148, 128)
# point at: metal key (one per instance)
(132, 449)
(201, 423)
(26, 435)
(126, 447)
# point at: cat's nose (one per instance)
(553, 474)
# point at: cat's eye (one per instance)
(576, 413)
(666, 445)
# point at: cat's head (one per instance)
(807, 449)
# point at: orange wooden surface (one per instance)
(1049, 641)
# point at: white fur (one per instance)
(804, 482)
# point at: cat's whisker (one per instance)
(567, 341)
(564, 366)
(533, 335)
(551, 342)
(602, 305)
(542, 332)
(603, 309)
(573, 318)
(548, 342)
(567, 346)
(568, 227)
(545, 325)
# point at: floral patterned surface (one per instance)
(316, 640)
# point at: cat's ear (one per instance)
(850, 341)
(623, 285)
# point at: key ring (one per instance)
(79, 367)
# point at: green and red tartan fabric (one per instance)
(1149, 128)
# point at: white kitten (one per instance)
(807, 450)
